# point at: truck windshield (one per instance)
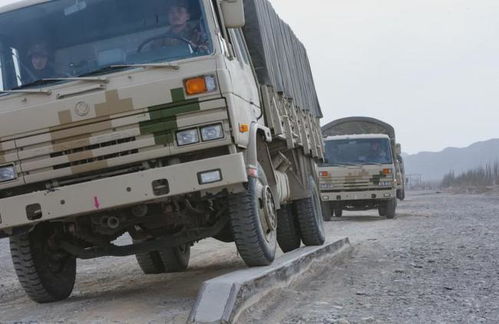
(68, 38)
(358, 151)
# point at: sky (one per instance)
(428, 67)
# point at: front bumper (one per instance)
(358, 195)
(119, 191)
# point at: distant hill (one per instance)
(434, 165)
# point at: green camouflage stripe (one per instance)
(163, 118)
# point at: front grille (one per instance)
(94, 147)
(83, 148)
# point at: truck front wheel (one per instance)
(309, 213)
(46, 273)
(391, 207)
(327, 212)
(338, 212)
(288, 236)
(254, 221)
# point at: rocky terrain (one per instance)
(437, 262)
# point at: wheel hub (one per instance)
(269, 208)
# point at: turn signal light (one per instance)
(195, 86)
(387, 171)
(243, 128)
(201, 84)
(324, 173)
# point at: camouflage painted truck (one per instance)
(172, 121)
(363, 167)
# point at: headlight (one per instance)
(213, 132)
(186, 137)
(385, 183)
(326, 186)
(7, 173)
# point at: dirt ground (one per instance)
(436, 262)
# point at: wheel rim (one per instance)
(266, 211)
(318, 210)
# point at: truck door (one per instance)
(241, 71)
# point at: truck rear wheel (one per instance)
(288, 236)
(391, 207)
(172, 259)
(176, 259)
(254, 221)
(309, 214)
(150, 262)
(46, 273)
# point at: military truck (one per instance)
(172, 121)
(363, 167)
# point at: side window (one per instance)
(1, 74)
(239, 46)
(10, 69)
(242, 45)
(17, 65)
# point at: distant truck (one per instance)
(363, 167)
(170, 120)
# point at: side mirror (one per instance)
(233, 13)
(398, 149)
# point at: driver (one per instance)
(180, 26)
(39, 62)
(376, 152)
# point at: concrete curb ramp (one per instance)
(222, 299)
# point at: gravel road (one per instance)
(436, 262)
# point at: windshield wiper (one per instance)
(30, 91)
(149, 65)
(116, 67)
(44, 82)
(81, 78)
(105, 69)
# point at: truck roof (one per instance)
(20, 4)
(356, 136)
(358, 125)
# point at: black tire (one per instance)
(255, 237)
(225, 235)
(46, 274)
(150, 263)
(391, 208)
(309, 214)
(176, 259)
(327, 212)
(288, 235)
(338, 212)
(382, 210)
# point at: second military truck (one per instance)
(169, 120)
(363, 167)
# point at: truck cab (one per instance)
(163, 120)
(358, 174)
(363, 169)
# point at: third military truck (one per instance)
(363, 167)
(170, 121)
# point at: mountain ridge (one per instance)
(434, 165)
